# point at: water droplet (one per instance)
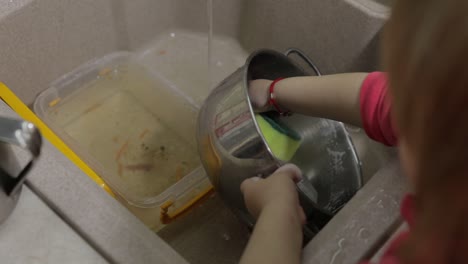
(226, 237)
(363, 234)
(340, 248)
(311, 174)
(172, 35)
(352, 129)
(380, 204)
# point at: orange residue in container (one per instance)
(179, 173)
(139, 167)
(143, 134)
(162, 52)
(54, 102)
(104, 71)
(92, 108)
(121, 150)
(118, 155)
(120, 168)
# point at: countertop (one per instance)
(35, 234)
(110, 229)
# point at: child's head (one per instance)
(426, 55)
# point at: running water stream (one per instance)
(209, 9)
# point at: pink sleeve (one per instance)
(375, 109)
(389, 257)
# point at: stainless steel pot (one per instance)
(232, 148)
(15, 134)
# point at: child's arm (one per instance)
(277, 237)
(356, 98)
(331, 96)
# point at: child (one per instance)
(426, 109)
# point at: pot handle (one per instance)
(303, 56)
(26, 136)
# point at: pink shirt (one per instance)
(377, 122)
(375, 109)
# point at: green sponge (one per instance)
(283, 141)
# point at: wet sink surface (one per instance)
(209, 233)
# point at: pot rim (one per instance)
(245, 83)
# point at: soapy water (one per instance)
(353, 129)
(336, 201)
(337, 160)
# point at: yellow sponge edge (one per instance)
(281, 145)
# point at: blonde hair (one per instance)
(426, 56)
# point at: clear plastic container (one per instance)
(135, 131)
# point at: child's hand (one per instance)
(277, 191)
(259, 94)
